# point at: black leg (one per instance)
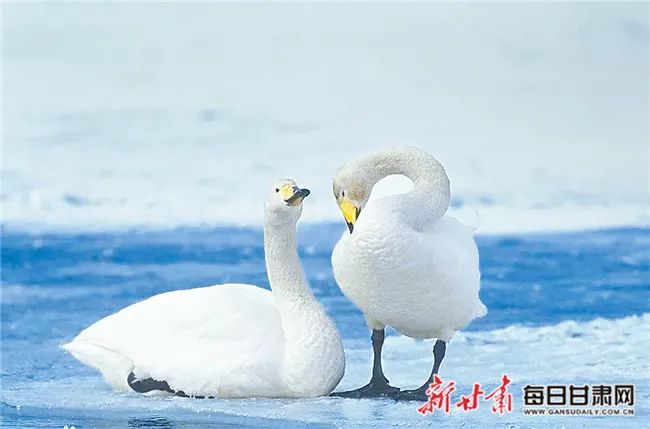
(149, 384)
(378, 385)
(420, 394)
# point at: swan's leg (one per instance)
(378, 385)
(420, 394)
(149, 384)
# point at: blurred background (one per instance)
(161, 114)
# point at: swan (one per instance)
(230, 340)
(404, 263)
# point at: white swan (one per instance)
(404, 263)
(226, 341)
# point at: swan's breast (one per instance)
(418, 282)
(314, 361)
(376, 248)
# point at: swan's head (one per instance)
(352, 190)
(284, 203)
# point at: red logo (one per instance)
(440, 397)
(502, 399)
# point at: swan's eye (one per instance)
(277, 189)
(342, 193)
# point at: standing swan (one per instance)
(226, 341)
(404, 263)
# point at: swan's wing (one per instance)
(202, 341)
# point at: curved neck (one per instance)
(286, 277)
(429, 199)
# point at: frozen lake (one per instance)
(563, 308)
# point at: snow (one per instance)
(152, 115)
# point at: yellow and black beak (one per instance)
(294, 195)
(350, 212)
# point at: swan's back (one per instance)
(218, 339)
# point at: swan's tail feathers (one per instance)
(114, 366)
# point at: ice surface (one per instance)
(564, 308)
(609, 351)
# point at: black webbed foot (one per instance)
(419, 394)
(147, 385)
(374, 389)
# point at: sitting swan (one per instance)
(404, 263)
(226, 341)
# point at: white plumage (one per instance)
(405, 264)
(231, 340)
(422, 283)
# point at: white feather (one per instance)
(228, 341)
(406, 265)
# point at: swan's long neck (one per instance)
(312, 349)
(429, 199)
(294, 298)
